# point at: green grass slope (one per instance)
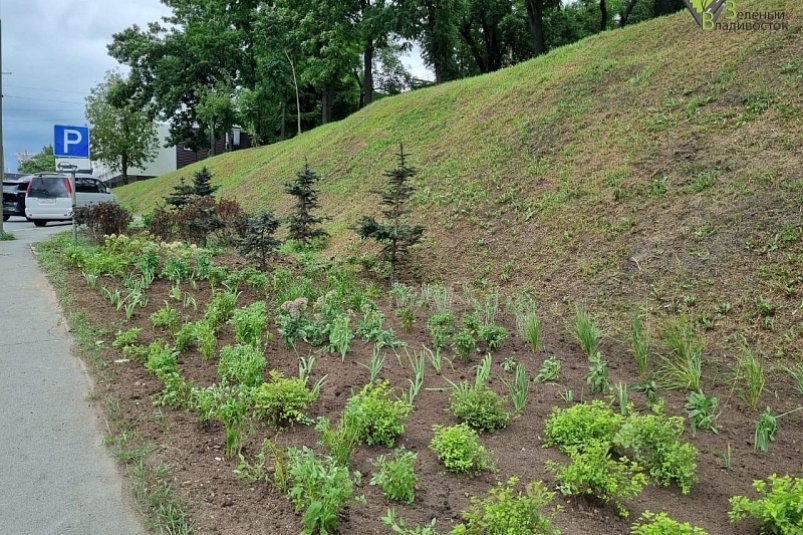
(656, 166)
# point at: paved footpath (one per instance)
(56, 477)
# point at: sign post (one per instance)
(71, 147)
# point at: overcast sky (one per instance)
(55, 51)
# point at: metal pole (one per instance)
(2, 161)
(72, 190)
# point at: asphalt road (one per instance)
(56, 477)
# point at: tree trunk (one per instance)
(535, 19)
(662, 7)
(368, 74)
(603, 11)
(465, 33)
(626, 13)
(283, 128)
(327, 104)
(124, 168)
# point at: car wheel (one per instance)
(5, 217)
(40, 222)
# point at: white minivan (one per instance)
(49, 196)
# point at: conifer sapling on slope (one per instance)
(303, 226)
(259, 240)
(395, 234)
(202, 183)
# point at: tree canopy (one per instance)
(39, 163)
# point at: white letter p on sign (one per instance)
(71, 137)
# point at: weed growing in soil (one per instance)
(166, 317)
(530, 331)
(796, 373)
(398, 525)
(126, 338)
(464, 345)
(441, 327)
(340, 335)
(640, 344)
(749, 374)
(220, 308)
(241, 364)
(506, 511)
(778, 507)
(257, 472)
(621, 395)
(549, 370)
(376, 419)
(395, 475)
(683, 368)
(319, 488)
(493, 336)
(285, 399)
(250, 324)
(597, 376)
(375, 365)
(701, 409)
(519, 388)
(418, 366)
(459, 449)
(340, 440)
(662, 524)
(586, 332)
(593, 472)
(766, 427)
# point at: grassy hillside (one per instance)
(656, 166)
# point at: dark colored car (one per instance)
(14, 196)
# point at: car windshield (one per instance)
(48, 187)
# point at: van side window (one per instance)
(86, 186)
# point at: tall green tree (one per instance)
(39, 163)
(395, 234)
(121, 135)
(303, 225)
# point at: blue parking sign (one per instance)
(71, 141)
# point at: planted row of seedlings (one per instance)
(612, 450)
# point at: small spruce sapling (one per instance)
(260, 240)
(395, 234)
(303, 226)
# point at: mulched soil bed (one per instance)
(220, 504)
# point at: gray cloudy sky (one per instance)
(55, 51)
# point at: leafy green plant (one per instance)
(229, 404)
(126, 338)
(220, 308)
(441, 327)
(377, 419)
(319, 488)
(683, 368)
(701, 409)
(750, 375)
(778, 507)
(477, 405)
(586, 332)
(662, 524)
(250, 324)
(519, 388)
(464, 345)
(395, 475)
(640, 344)
(340, 335)
(655, 443)
(549, 370)
(340, 440)
(257, 472)
(91, 279)
(506, 511)
(458, 448)
(767, 427)
(242, 364)
(582, 424)
(494, 336)
(406, 316)
(166, 317)
(594, 472)
(597, 376)
(398, 525)
(285, 399)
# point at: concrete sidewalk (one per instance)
(56, 477)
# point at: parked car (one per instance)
(49, 196)
(14, 196)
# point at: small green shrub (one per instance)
(166, 317)
(480, 407)
(506, 511)
(464, 345)
(459, 449)
(241, 364)
(284, 399)
(250, 324)
(126, 338)
(395, 475)
(582, 424)
(593, 472)
(319, 488)
(376, 419)
(441, 328)
(220, 307)
(494, 336)
(779, 508)
(701, 409)
(662, 524)
(655, 443)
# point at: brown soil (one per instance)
(220, 504)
